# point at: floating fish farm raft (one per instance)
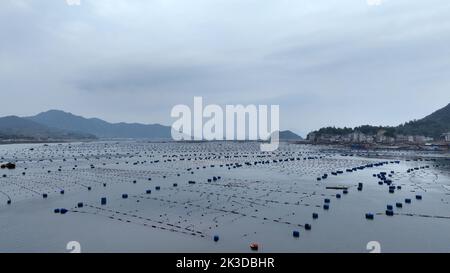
(141, 196)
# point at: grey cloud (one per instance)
(139, 77)
(330, 58)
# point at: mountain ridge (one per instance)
(100, 128)
(433, 125)
(14, 127)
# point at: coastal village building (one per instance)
(446, 137)
(380, 137)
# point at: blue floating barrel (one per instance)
(157, 188)
(399, 187)
(315, 215)
(307, 226)
(345, 192)
(326, 207)
(134, 181)
(148, 191)
(56, 210)
(124, 196)
(380, 182)
(399, 205)
(8, 202)
(209, 180)
(61, 192)
(80, 204)
(44, 195)
(89, 188)
(327, 201)
(408, 201)
(369, 216)
(175, 184)
(389, 213)
(103, 201)
(338, 196)
(63, 211)
(419, 197)
(216, 238)
(389, 207)
(296, 233)
(104, 184)
(391, 190)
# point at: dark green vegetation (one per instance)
(433, 125)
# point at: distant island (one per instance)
(432, 129)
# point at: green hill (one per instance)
(433, 125)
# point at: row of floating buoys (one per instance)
(60, 210)
(9, 166)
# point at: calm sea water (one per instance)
(174, 204)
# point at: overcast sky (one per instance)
(325, 62)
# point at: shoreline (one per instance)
(441, 147)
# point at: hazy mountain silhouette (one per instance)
(13, 127)
(60, 125)
(289, 135)
(100, 128)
